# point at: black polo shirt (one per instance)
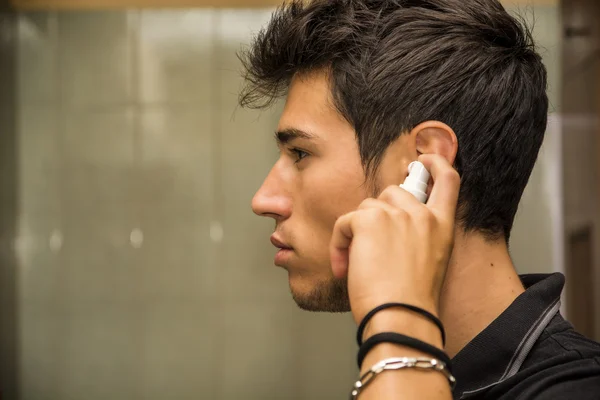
(530, 352)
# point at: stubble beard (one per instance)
(330, 296)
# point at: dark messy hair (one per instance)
(393, 64)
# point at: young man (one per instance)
(371, 86)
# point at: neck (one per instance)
(481, 282)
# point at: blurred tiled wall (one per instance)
(143, 272)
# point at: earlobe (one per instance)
(434, 137)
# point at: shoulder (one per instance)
(561, 365)
(561, 343)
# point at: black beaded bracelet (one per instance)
(418, 310)
(402, 340)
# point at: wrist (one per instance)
(405, 322)
(359, 311)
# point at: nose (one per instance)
(273, 198)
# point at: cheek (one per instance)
(330, 195)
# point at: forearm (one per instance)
(406, 383)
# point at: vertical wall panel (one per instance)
(9, 204)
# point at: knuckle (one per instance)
(367, 203)
(430, 219)
(375, 216)
(425, 217)
(422, 213)
(401, 215)
(452, 175)
(389, 192)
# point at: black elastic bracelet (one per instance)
(402, 340)
(425, 313)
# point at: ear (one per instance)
(434, 137)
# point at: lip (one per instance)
(280, 244)
(285, 251)
(282, 258)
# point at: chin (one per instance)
(330, 295)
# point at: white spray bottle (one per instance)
(416, 181)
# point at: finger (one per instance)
(399, 198)
(446, 185)
(339, 246)
(389, 206)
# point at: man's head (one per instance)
(370, 85)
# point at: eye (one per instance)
(300, 154)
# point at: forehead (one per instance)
(309, 107)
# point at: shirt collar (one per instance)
(500, 349)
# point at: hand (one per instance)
(395, 249)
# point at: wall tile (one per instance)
(39, 273)
(102, 353)
(97, 176)
(43, 328)
(95, 58)
(179, 135)
(100, 195)
(39, 221)
(96, 192)
(98, 259)
(174, 199)
(99, 138)
(327, 354)
(179, 350)
(37, 58)
(177, 259)
(580, 126)
(176, 56)
(258, 356)
(39, 161)
(98, 264)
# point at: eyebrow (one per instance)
(285, 136)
